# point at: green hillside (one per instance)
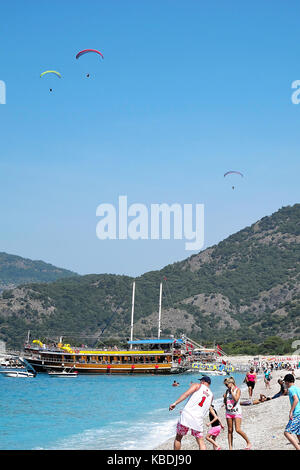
(15, 270)
(240, 292)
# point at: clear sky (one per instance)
(186, 91)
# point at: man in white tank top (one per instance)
(192, 415)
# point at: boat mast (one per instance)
(159, 310)
(132, 314)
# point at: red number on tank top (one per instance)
(202, 401)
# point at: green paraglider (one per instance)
(50, 72)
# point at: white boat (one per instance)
(16, 366)
(63, 373)
(18, 373)
(212, 372)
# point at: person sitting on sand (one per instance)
(283, 389)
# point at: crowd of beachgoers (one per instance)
(263, 414)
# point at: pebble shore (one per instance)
(264, 423)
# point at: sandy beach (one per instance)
(263, 423)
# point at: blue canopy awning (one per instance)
(155, 341)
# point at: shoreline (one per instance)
(263, 423)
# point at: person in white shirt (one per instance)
(192, 415)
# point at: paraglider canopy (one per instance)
(234, 172)
(51, 71)
(86, 51)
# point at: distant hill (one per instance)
(243, 291)
(15, 270)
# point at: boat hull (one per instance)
(19, 374)
(96, 369)
(61, 375)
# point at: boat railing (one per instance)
(70, 360)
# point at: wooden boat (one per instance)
(148, 356)
(164, 356)
(152, 356)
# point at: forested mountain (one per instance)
(15, 270)
(243, 290)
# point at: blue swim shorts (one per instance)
(293, 425)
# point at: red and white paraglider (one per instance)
(89, 51)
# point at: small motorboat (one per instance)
(17, 366)
(62, 373)
(18, 373)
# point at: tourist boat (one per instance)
(145, 356)
(159, 356)
(212, 368)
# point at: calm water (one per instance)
(97, 412)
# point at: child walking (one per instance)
(216, 427)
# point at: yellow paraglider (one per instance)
(50, 71)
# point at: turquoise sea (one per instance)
(97, 412)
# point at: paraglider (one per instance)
(86, 51)
(233, 172)
(54, 72)
(51, 71)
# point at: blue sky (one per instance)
(186, 91)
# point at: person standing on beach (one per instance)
(267, 378)
(192, 416)
(250, 380)
(234, 412)
(293, 426)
